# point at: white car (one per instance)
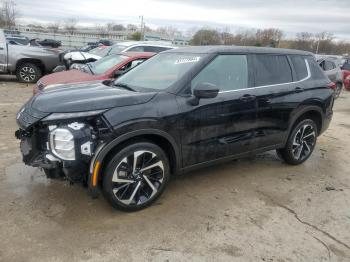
(131, 46)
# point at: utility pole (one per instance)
(141, 27)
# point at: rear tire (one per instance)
(136, 176)
(28, 73)
(300, 144)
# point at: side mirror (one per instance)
(118, 73)
(203, 91)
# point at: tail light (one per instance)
(332, 85)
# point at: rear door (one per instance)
(277, 95)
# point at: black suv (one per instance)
(180, 110)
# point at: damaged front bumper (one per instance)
(67, 147)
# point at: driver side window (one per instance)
(227, 72)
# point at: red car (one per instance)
(346, 75)
(108, 67)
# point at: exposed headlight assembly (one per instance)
(57, 116)
(62, 143)
(71, 142)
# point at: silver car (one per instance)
(27, 62)
(334, 73)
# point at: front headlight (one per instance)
(62, 144)
(56, 116)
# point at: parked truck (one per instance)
(27, 62)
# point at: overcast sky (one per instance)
(290, 16)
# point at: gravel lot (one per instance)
(248, 210)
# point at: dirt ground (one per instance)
(248, 210)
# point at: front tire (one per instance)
(28, 73)
(300, 144)
(136, 176)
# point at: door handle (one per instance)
(1, 48)
(298, 89)
(247, 98)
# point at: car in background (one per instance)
(132, 46)
(109, 67)
(346, 74)
(27, 62)
(50, 42)
(17, 40)
(333, 72)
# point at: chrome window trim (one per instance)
(288, 83)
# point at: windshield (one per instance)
(106, 63)
(159, 72)
(100, 51)
(116, 49)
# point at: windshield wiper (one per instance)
(87, 64)
(125, 86)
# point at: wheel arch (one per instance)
(35, 61)
(313, 112)
(108, 150)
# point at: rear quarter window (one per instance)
(272, 70)
(300, 67)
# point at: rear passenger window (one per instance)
(227, 72)
(137, 49)
(272, 69)
(299, 66)
(155, 49)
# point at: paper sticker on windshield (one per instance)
(187, 60)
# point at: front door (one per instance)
(221, 126)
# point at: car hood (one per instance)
(80, 56)
(86, 97)
(65, 77)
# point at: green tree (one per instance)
(206, 37)
(136, 36)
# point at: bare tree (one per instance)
(54, 27)
(304, 41)
(269, 37)
(70, 25)
(102, 30)
(324, 42)
(8, 14)
(115, 27)
(168, 30)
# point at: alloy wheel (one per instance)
(27, 73)
(304, 142)
(137, 178)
